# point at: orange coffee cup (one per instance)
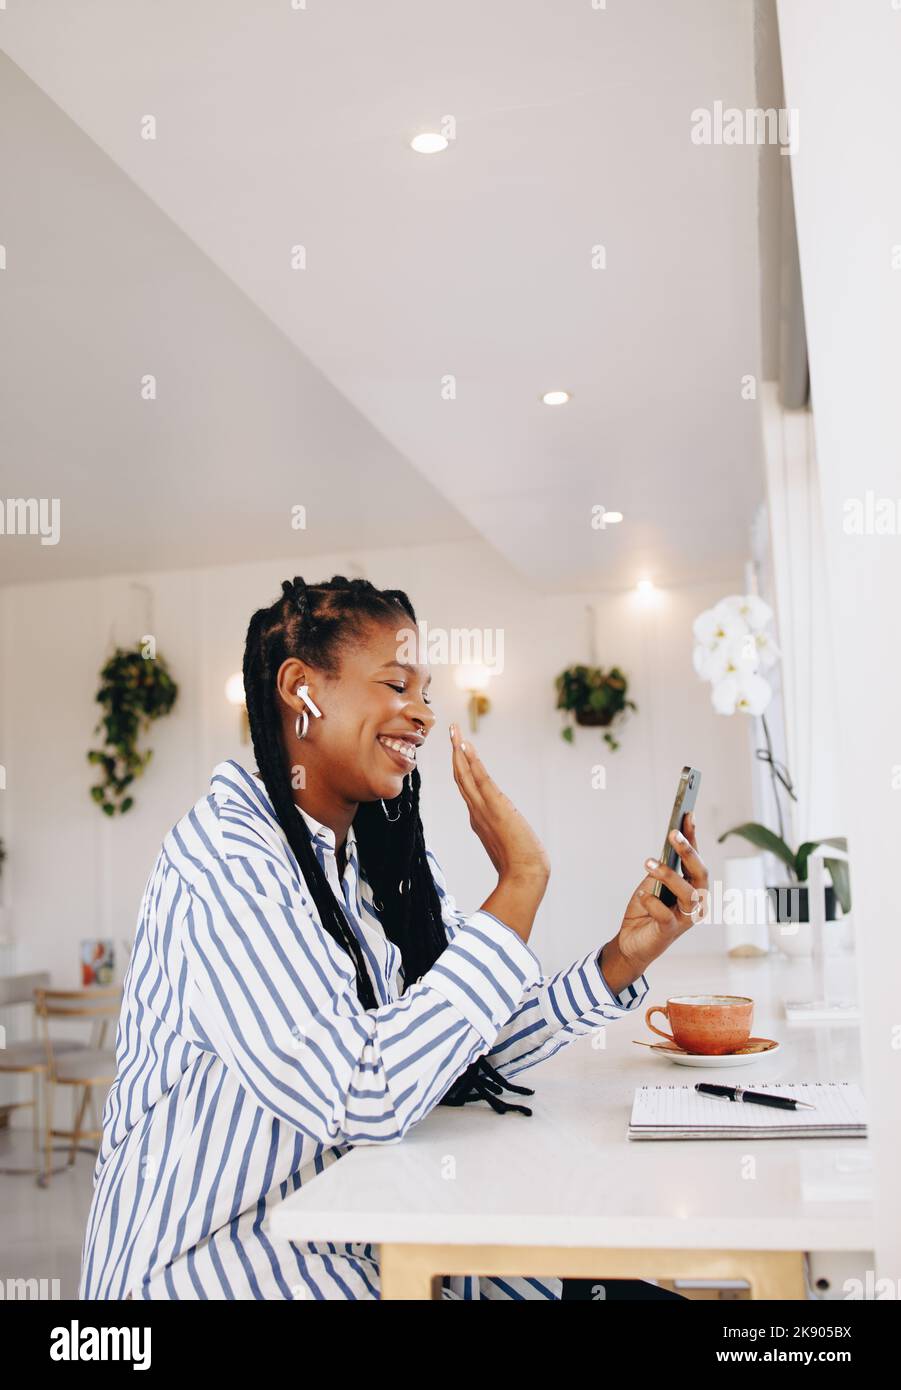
(708, 1024)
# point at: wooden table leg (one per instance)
(415, 1271)
(408, 1272)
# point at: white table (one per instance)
(565, 1192)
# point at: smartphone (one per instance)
(686, 796)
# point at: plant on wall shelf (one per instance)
(594, 698)
(732, 648)
(763, 838)
(135, 689)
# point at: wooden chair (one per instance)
(29, 1058)
(91, 1066)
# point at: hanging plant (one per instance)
(135, 689)
(594, 697)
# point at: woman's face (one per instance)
(375, 716)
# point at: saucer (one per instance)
(754, 1048)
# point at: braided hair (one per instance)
(314, 623)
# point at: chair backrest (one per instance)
(19, 989)
(92, 1002)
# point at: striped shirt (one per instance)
(246, 1064)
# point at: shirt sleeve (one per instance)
(274, 996)
(555, 1009)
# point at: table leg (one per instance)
(409, 1271)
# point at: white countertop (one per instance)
(569, 1176)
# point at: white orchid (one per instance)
(717, 625)
(767, 650)
(731, 647)
(729, 657)
(741, 692)
(751, 609)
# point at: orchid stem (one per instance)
(768, 757)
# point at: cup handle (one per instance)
(658, 1009)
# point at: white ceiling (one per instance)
(279, 126)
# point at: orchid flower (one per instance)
(731, 648)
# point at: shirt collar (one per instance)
(326, 836)
(230, 779)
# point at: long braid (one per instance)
(312, 623)
(259, 685)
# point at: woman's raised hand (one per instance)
(510, 842)
(649, 927)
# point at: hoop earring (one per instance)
(301, 732)
(390, 819)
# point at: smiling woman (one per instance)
(303, 982)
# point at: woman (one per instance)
(302, 982)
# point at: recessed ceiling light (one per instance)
(611, 518)
(556, 397)
(428, 143)
(645, 586)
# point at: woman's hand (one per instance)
(510, 842)
(649, 926)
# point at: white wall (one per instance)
(805, 610)
(73, 873)
(840, 63)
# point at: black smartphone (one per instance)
(686, 796)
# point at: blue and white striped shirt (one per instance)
(246, 1063)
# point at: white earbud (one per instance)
(303, 693)
(302, 722)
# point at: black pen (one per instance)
(752, 1097)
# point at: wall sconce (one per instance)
(234, 694)
(474, 680)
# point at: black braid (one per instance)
(313, 623)
(259, 685)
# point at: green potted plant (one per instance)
(733, 648)
(594, 698)
(135, 689)
(790, 900)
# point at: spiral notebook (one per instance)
(681, 1112)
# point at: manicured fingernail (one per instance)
(451, 728)
(650, 863)
(463, 746)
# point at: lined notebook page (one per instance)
(838, 1103)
